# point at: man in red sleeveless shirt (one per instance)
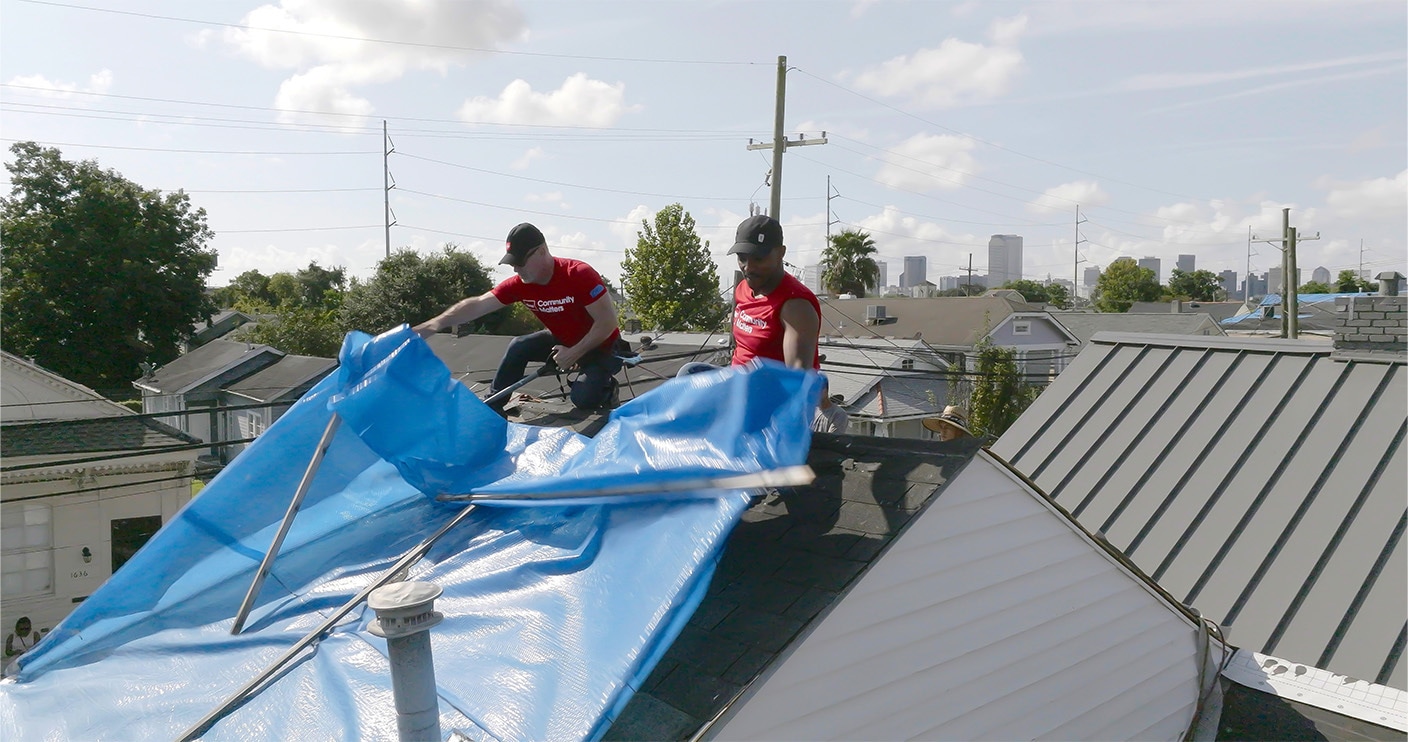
(774, 315)
(572, 302)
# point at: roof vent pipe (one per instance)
(405, 611)
(1389, 281)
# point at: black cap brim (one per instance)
(749, 248)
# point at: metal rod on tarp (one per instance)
(502, 394)
(391, 575)
(264, 566)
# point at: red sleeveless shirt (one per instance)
(757, 320)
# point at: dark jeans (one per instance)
(590, 390)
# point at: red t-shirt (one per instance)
(757, 320)
(561, 303)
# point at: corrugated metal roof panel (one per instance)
(1263, 483)
(990, 617)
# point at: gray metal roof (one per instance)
(1260, 481)
(990, 616)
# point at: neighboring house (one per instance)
(275, 388)
(1260, 481)
(1218, 310)
(1315, 314)
(221, 324)
(1084, 325)
(77, 495)
(195, 381)
(887, 386)
(954, 326)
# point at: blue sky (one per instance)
(1175, 125)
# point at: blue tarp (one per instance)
(1274, 300)
(554, 612)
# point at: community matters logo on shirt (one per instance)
(747, 322)
(548, 306)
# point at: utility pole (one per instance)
(830, 217)
(779, 142)
(1075, 269)
(968, 287)
(1290, 305)
(1247, 283)
(1360, 274)
(387, 183)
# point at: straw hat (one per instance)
(952, 415)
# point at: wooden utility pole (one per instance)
(1290, 304)
(779, 141)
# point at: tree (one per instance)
(1198, 285)
(308, 331)
(1122, 283)
(669, 278)
(1036, 293)
(410, 289)
(999, 394)
(1349, 282)
(1315, 287)
(249, 289)
(98, 274)
(848, 265)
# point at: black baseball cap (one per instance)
(757, 235)
(521, 241)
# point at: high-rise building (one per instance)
(914, 271)
(1089, 280)
(1228, 279)
(1321, 275)
(949, 283)
(1274, 284)
(1255, 286)
(811, 278)
(884, 275)
(1186, 263)
(1153, 265)
(1004, 259)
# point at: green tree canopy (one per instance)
(1348, 281)
(999, 393)
(98, 274)
(308, 331)
(1198, 285)
(249, 289)
(669, 278)
(1315, 287)
(408, 288)
(848, 263)
(1037, 293)
(1122, 283)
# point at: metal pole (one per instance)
(386, 185)
(405, 612)
(1292, 290)
(268, 562)
(778, 143)
(1285, 257)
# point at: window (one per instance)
(129, 535)
(27, 562)
(907, 364)
(1021, 328)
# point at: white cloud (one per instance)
(859, 7)
(98, 82)
(926, 161)
(548, 197)
(321, 89)
(580, 101)
(1378, 198)
(1169, 81)
(522, 163)
(956, 72)
(1063, 198)
(336, 44)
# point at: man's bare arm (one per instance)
(604, 322)
(463, 311)
(800, 328)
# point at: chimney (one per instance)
(1389, 283)
(1376, 326)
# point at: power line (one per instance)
(188, 151)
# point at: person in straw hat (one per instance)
(951, 425)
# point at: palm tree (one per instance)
(847, 266)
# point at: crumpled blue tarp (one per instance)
(554, 612)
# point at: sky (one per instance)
(1093, 129)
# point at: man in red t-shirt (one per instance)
(569, 298)
(774, 315)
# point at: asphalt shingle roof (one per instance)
(94, 435)
(203, 363)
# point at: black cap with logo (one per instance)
(757, 235)
(521, 241)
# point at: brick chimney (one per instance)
(1371, 325)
